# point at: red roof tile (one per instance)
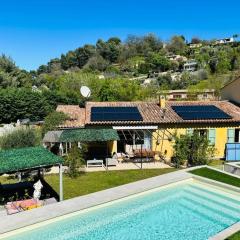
(225, 106)
(150, 111)
(76, 116)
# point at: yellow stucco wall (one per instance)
(165, 146)
(221, 140)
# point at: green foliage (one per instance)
(194, 149)
(109, 50)
(24, 103)
(165, 81)
(21, 103)
(24, 137)
(97, 62)
(58, 81)
(158, 62)
(53, 120)
(177, 45)
(11, 75)
(75, 159)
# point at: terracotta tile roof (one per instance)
(150, 111)
(225, 106)
(76, 116)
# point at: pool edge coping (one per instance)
(229, 231)
(11, 223)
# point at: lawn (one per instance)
(218, 176)
(97, 181)
(236, 236)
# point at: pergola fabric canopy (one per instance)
(18, 159)
(89, 135)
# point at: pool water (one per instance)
(189, 210)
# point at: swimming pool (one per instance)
(188, 210)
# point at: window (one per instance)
(212, 136)
(177, 96)
(233, 135)
(237, 135)
(202, 132)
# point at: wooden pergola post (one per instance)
(60, 183)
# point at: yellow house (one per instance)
(150, 126)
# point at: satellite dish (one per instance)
(85, 91)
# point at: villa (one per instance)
(127, 127)
(185, 94)
(190, 66)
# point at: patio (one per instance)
(128, 166)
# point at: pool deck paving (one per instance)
(47, 213)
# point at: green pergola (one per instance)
(89, 135)
(22, 159)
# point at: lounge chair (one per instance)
(111, 161)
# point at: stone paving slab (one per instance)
(13, 222)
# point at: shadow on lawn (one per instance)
(24, 190)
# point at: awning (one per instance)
(89, 135)
(19, 159)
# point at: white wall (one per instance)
(231, 91)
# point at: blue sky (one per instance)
(33, 31)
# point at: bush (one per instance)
(53, 120)
(24, 137)
(75, 159)
(194, 149)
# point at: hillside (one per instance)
(136, 69)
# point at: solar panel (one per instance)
(200, 112)
(99, 114)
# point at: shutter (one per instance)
(231, 135)
(189, 131)
(212, 136)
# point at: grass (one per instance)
(235, 236)
(7, 180)
(97, 181)
(218, 176)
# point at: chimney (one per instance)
(162, 102)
